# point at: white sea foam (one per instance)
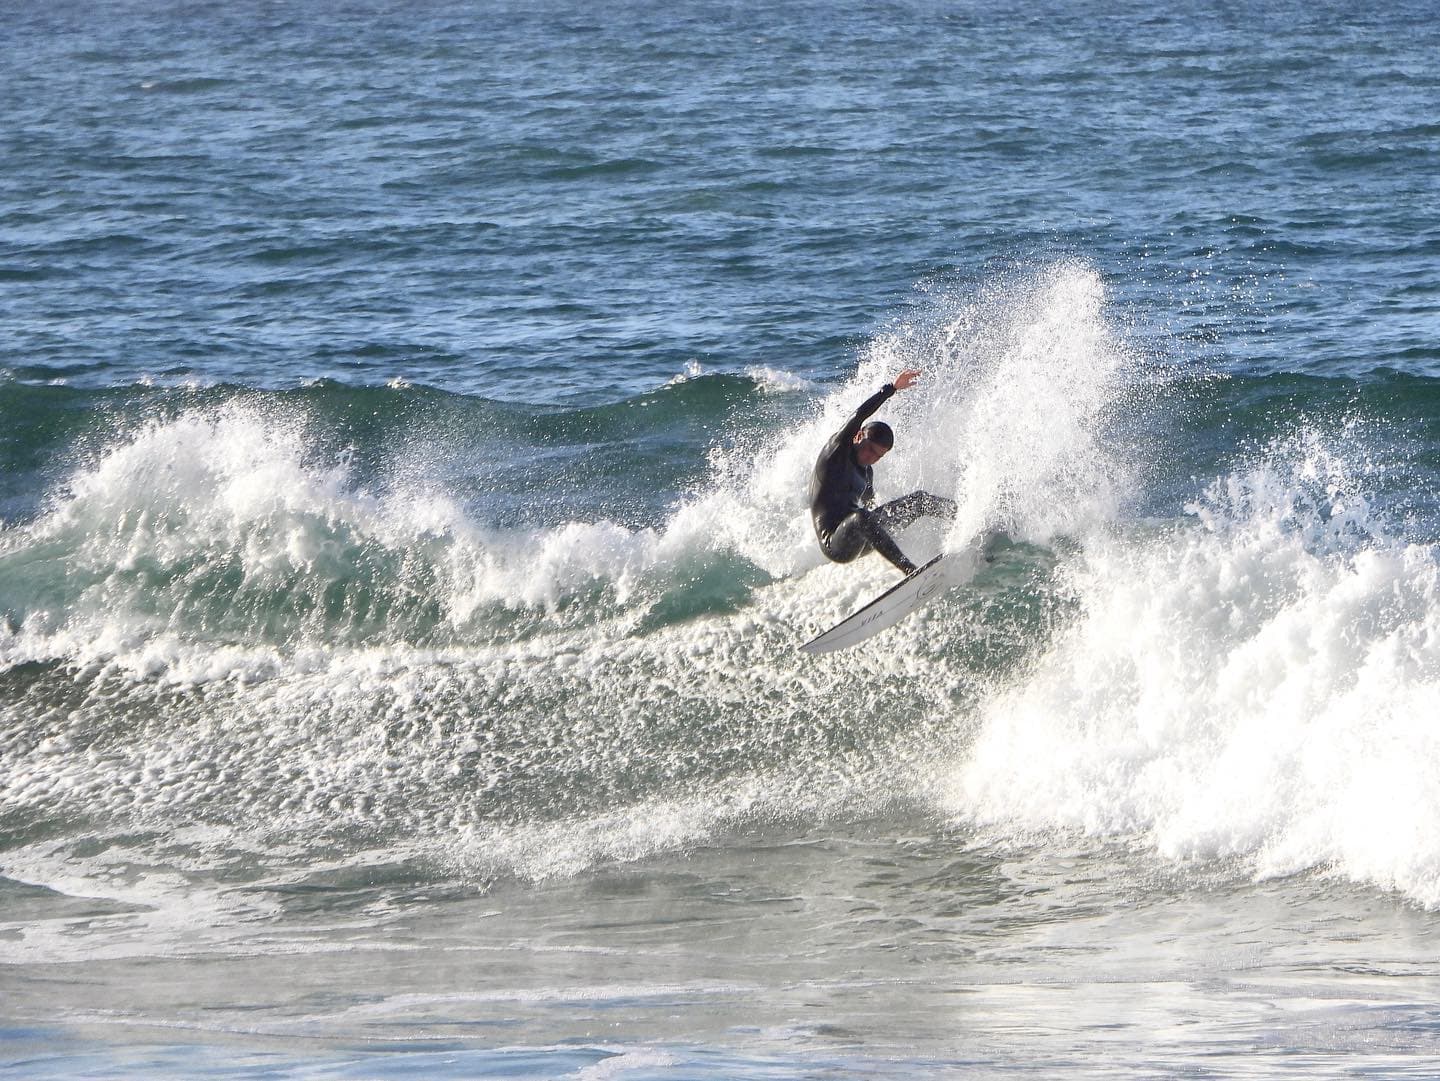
(1251, 681)
(167, 525)
(778, 381)
(696, 724)
(693, 370)
(1257, 683)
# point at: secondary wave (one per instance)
(286, 521)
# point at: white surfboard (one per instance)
(897, 602)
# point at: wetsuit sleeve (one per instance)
(866, 410)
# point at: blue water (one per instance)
(405, 419)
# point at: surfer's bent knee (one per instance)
(848, 541)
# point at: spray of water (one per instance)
(1253, 683)
(245, 640)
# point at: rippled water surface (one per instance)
(405, 420)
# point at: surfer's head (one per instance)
(872, 442)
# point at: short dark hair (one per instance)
(879, 432)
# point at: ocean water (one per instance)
(406, 413)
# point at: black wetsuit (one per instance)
(842, 492)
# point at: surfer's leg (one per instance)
(860, 532)
(899, 513)
(846, 541)
(883, 543)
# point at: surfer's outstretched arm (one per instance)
(875, 401)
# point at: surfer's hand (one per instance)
(907, 377)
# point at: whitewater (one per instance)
(406, 418)
(299, 653)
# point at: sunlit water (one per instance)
(405, 425)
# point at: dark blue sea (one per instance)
(406, 417)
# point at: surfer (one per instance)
(842, 493)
